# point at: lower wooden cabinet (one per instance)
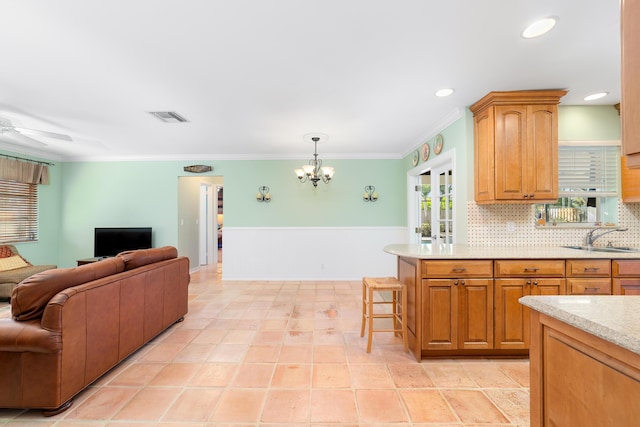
(511, 317)
(458, 314)
(626, 277)
(578, 379)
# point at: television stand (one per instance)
(90, 260)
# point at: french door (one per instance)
(432, 220)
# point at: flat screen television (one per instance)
(110, 241)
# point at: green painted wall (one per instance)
(104, 194)
(588, 123)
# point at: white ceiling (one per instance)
(254, 76)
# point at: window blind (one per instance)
(588, 171)
(18, 212)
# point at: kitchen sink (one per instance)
(617, 249)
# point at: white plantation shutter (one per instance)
(590, 171)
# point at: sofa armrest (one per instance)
(26, 336)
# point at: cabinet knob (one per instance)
(455, 282)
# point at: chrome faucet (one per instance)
(589, 239)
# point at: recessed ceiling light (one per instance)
(596, 96)
(444, 92)
(539, 28)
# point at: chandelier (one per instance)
(314, 171)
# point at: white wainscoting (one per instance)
(309, 253)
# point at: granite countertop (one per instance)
(500, 252)
(615, 319)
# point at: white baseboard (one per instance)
(308, 253)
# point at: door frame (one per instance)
(208, 253)
(413, 197)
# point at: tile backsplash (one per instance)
(487, 226)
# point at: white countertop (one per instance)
(613, 318)
(500, 252)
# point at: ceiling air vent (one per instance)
(169, 116)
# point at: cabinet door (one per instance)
(475, 314)
(510, 156)
(511, 318)
(547, 287)
(630, 81)
(484, 156)
(541, 157)
(629, 286)
(440, 311)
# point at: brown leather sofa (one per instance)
(69, 326)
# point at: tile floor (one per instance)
(289, 354)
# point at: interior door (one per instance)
(436, 207)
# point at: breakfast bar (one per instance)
(465, 300)
(585, 360)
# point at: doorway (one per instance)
(198, 219)
(431, 201)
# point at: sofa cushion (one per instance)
(138, 258)
(31, 296)
(12, 263)
(5, 251)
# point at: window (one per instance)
(587, 187)
(18, 212)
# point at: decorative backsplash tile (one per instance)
(489, 225)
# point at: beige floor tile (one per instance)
(262, 353)
(473, 406)
(137, 374)
(449, 375)
(149, 404)
(253, 375)
(331, 375)
(286, 406)
(240, 406)
(333, 406)
(513, 403)
(175, 374)
(193, 404)
(214, 375)
(296, 354)
(372, 376)
(380, 406)
(489, 375)
(427, 406)
(292, 376)
(329, 354)
(410, 376)
(103, 404)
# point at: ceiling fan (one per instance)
(20, 135)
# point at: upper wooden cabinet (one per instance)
(630, 182)
(516, 146)
(630, 81)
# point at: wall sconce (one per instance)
(263, 194)
(370, 194)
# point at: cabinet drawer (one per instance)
(457, 268)
(626, 267)
(588, 268)
(589, 286)
(529, 268)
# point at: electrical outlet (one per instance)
(511, 226)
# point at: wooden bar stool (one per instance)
(398, 307)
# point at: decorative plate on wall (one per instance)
(437, 148)
(425, 152)
(416, 157)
